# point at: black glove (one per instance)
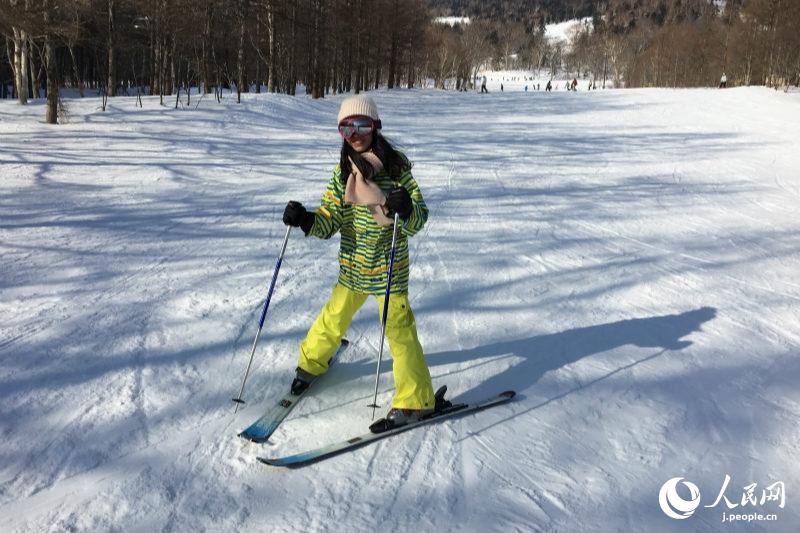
(295, 215)
(399, 201)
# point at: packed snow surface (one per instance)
(627, 261)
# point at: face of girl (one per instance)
(361, 143)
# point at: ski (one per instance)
(304, 458)
(261, 429)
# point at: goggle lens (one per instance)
(358, 126)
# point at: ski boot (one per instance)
(302, 381)
(401, 417)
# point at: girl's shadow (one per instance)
(543, 353)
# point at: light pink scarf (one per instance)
(361, 191)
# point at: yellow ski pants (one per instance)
(411, 376)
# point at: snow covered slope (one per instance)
(626, 260)
(564, 31)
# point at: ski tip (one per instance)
(293, 462)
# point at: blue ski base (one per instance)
(264, 427)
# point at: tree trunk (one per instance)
(162, 68)
(75, 73)
(292, 54)
(166, 89)
(335, 73)
(323, 56)
(152, 52)
(393, 50)
(773, 30)
(411, 59)
(378, 63)
(111, 84)
(157, 59)
(36, 71)
(271, 59)
(347, 82)
(51, 70)
(173, 74)
(240, 77)
(21, 65)
(10, 58)
(360, 82)
(317, 63)
(392, 63)
(256, 41)
(206, 45)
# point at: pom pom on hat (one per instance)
(360, 104)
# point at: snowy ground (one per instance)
(626, 260)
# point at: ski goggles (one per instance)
(358, 126)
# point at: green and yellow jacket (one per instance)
(365, 247)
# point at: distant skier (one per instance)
(549, 86)
(370, 184)
(574, 84)
(723, 81)
(483, 85)
(501, 87)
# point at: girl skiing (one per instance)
(370, 184)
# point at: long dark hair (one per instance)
(393, 161)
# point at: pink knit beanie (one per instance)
(360, 104)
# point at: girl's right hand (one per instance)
(295, 215)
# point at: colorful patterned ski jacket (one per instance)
(365, 247)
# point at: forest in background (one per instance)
(645, 43)
(163, 47)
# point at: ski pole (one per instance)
(239, 399)
(374, 403)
